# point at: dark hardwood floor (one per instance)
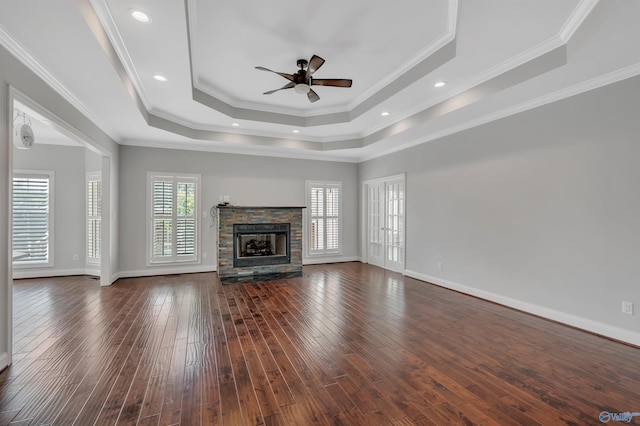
(345, 344)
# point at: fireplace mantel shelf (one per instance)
(261, 207)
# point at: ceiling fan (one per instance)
(302, 80)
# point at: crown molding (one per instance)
(440, 51)
(352, 157)
(256, 150)
(578, 16)
(558, 95)
(448, 36)
(105, 17)
(23, 55)
(249, 132)
(310, 147)
(346, 116)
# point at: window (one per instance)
(94, 217)
(32, 217)
(324, 218)
(173, 220)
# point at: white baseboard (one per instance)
(114, 277)
(321, 260)
(5, 360)
(169, 270)
(606, 330)
(45, 273)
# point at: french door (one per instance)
(385, 214)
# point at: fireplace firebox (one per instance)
(257, 244)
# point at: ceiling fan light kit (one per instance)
(302, 88)
(302, 80)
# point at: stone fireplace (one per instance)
(259, 240)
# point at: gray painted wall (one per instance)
(68, 166)
(539, 210)
(248, 180)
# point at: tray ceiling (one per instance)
(496, 58)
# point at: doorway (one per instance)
(52, 135)
(385, 206)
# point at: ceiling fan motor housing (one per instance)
(300, 77)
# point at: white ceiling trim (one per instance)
(48, 118)
(342, 113)
(494, 72)
(558, 95)
(249, 132)
(17, 50)
(437, 53)
(264, 151)
(498, 79)
(449, 35)
(108, 24)
(508, 69)
(577, 18)
(311, 148)
(576, 89)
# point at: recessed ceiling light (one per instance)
(296, 131)
(235, 124)
(159, 77)
(385, 113)
(440, 84)
(139, 15)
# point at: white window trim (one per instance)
(149, 221)
(92, 176)
(51, 225)
(307, 220)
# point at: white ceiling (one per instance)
(497, 57)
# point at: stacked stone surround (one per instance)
(230, 215)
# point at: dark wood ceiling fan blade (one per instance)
(283, 74)
(313, 96)
(314, 63)
(286, 86)
(335, 82)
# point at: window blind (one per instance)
(31, 213)
(174, 219)
(324, 217)
(94, 218)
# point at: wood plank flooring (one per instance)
(346, 344)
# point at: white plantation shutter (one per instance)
(162, 218)
(324, 216)
(174, 221)
(94, 218)
(32, 200)
(332, 219)
(186, 218)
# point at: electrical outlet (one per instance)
(627, 308)
(440, 266)
(76, 257)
